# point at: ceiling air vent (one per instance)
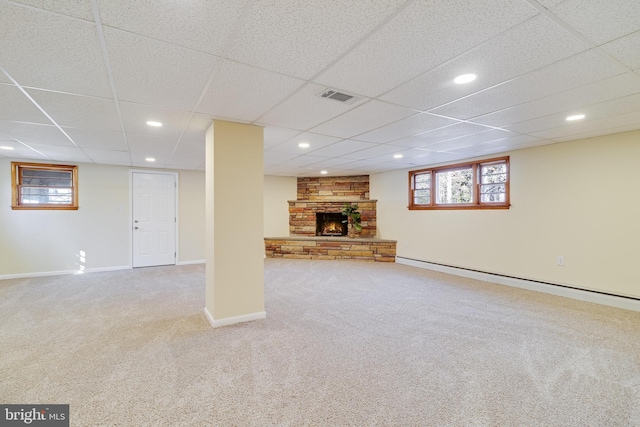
(339, 96)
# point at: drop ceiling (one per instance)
(79, 79)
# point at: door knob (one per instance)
(135, 228)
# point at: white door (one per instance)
(154, 219)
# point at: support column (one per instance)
(234, 223)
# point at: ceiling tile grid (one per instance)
(244, 92)
(566, 74)
(44, 50)
(424, 35)
(264, 62)
(156, 73)
(565, 101)
(302, 38)
(199, 25)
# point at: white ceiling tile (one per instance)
(600, 21)
(315, 142)
(331, 163)
(425, 34)
(304, 161)
(139, 159)
(594, 127)
(362, 164)
(618, 106)
(78, 111)
(62, 154)
(272, 157)
(304, 110)
(191, 148)
(493, 63)
(503, 144)
(301, 38)
(108, 157)
(549, 3)
(611, 125)
(152, 72)
(407, 127)
(97, 139)
(572, 72)
(76, 8)
(440, 134)
(473, 139)
(197, 128)
(69, 48)
(592, 93)
(625, 50)
(19, 151)
(274, 135)
(15, 106)
(200, 25)
(369, 115)
(30, 133)
(376, 151)
(341, 148)
(242, 92)
(135, 117)
(152, 146)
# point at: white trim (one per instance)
(63, 272)
(233, 320)
(548, 288)
(197, 261)
(176, 198)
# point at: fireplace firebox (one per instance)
(330, 224)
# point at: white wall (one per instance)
(277, 191)
(578, 199)
(33, 242)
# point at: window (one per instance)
(479, 185)
(40, 186)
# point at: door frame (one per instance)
(176, 176)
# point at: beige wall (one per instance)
(278, 190)
(191, 217)
(578, 199)
(33, 242)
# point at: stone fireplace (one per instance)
(316, 230)
(330, 224)
(319, 195)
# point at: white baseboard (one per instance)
(197, 261)
(64, 272)
(233, 320)
(549, 288)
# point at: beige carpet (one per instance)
(344, 343)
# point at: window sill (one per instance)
(456, 207)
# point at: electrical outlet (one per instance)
(560, 260)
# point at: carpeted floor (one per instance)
(344, 343)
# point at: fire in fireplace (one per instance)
(330, 224)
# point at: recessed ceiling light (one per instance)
(150, 159)
(398, 156)
(323, 172)
(304, 145)
(154, 124)
(465, 78)
(575, 117)
(6, 148)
